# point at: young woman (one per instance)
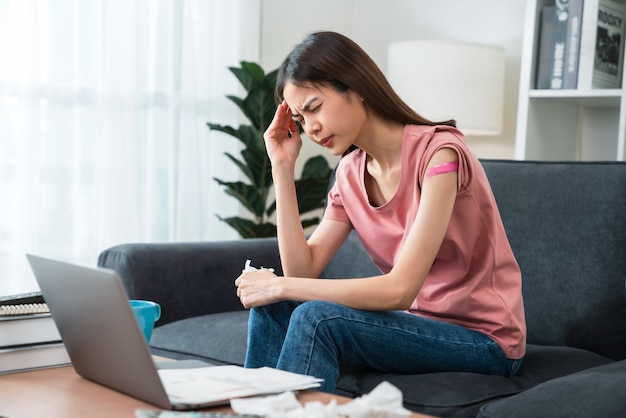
(449, 294)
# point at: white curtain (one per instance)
(103, 136)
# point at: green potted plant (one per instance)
(259, 107)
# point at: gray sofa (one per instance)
(567, 225)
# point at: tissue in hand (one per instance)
(249, 267)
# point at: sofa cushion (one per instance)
(221, 339)
(596, 392)
(462, 394)
(566, 224)
(216, 338)
(351, 261)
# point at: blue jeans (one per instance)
(316, 338)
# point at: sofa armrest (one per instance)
(188, 279)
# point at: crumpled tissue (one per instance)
(248, 267)
(385, 401)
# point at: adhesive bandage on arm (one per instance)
(450, 167)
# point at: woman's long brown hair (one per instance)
(331, 59)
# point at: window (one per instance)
(103, 111)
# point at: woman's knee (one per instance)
(274, 310)
(315, 314)
(277, 314)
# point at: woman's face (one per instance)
(331, 119)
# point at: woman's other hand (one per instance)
(258, 288)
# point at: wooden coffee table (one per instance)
(60, 392)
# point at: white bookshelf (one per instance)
(588, 125)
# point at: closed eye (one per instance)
(300, 119)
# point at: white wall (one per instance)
(376, 23)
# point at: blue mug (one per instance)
(147, 313)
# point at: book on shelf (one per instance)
(602, 27)
(25, 319)
(587, 44)
(552, 41)
(572, 44)
(32, 357)
(543, 51)
(609, 51)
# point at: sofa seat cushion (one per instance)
(215, 338)
(221, 339)
(462, 394)
(595, 392)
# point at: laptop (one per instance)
(102, 337)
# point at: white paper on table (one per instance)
(210, 384)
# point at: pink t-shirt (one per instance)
(475, 280)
